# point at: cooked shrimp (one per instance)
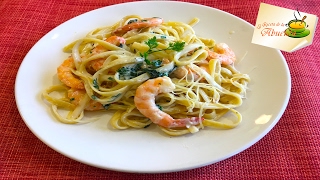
(142, 23)
(145, 103)
(188, 73)
(97, 64)
(185, 72)
(67, 77)
(222, 52)
(75, 96)
(116, 40)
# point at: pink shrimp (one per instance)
(116, 40)
(75, 96)
(185, 72)
(142, 23)
(98, 63)
(188, 73)
(145, 103)
(222, 52)
(67, 77)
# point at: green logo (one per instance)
(297, 28)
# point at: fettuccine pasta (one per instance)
(149, 71)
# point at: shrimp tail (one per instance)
(186, 122)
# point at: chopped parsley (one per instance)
(106, 106)
(177, 46)
(95, 84)
(149, 66)
(132, 21)
(132, 71)
(129, 72)
(113, 98)
(160, 107)
(156, 63)
(152, 43)
(154, 73)
(94, 97)
(110, 78)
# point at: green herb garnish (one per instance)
(113, 98)
(129, 72)
(94, 97)
(132, 21)
(111, 78)
(160, 107)
(177, 46)
(95, 84)
(156, 63)
(106, 106)
(149, 66)
(152, 44)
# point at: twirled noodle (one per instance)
(205, 86)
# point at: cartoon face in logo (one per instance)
(297, 28)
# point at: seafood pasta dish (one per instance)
(149, 71)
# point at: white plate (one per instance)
(148, 150)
